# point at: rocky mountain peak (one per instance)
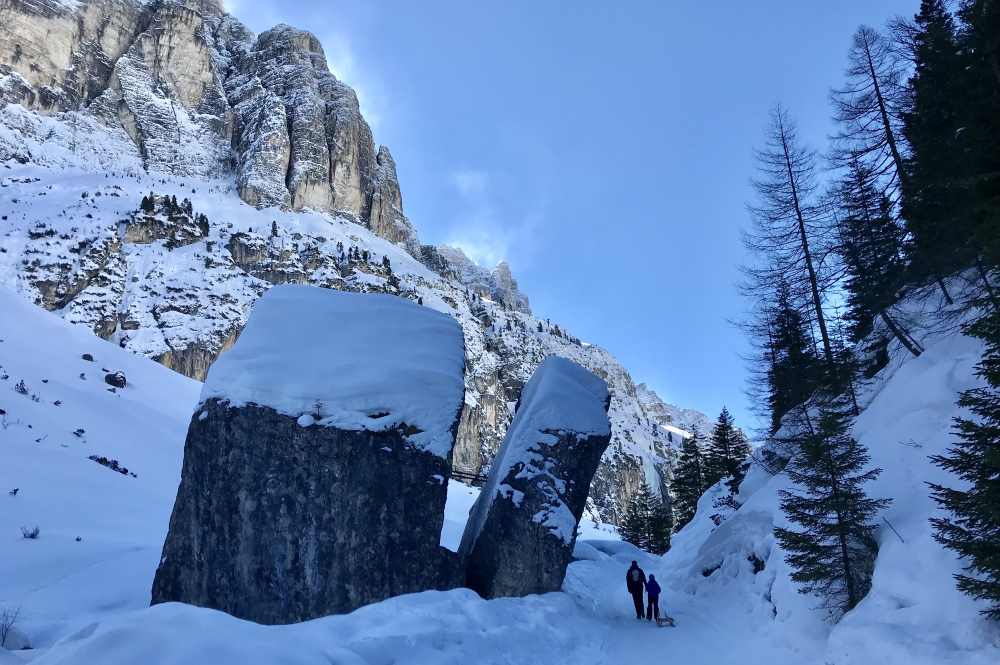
(289, 39)
(497, 284)
(668, 414)
(200, 95)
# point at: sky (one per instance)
(604, 150)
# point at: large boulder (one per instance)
(521, 531)
(315, 467)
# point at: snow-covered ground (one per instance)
(83, 585)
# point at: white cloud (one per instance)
(485, 247)
(486, 228)
(470, 183)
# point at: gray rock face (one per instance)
(177, 227)
(278, 523)
(385, 211)
(315, 470)
(520, 534)
(498, 284)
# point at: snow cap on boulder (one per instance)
(352, 361)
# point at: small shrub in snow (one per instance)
(112, 464)
(116, 379)
(8, 618)
(30, 534)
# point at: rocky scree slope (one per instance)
(258, 169)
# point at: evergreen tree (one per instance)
(689, 480)
(979, 43)
(972, 527)
(727, 453)
(646, 523)
(794, 371)
(661, 524)
(871, 246)
(831, 547)
(741, 451)
(147, 204)
(935, 198)
(633, 524)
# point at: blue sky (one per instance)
(603, 149)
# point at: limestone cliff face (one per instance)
(63, 51)
(201, 95)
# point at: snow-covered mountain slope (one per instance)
(108, 101)
(100, 529)
(913, 614)
(177, 286)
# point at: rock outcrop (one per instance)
(497, 285)
(521, 531)
(315, 468)
(200, 95)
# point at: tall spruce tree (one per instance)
(727, 453)
(979, 45)
(689, 479)
(794, 371)
(661, 525)
(647, 523)
(871, 246)
(936, 203)
(831, 546)
(972, 527)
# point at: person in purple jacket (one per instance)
(653, 593)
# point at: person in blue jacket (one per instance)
(653, 593)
